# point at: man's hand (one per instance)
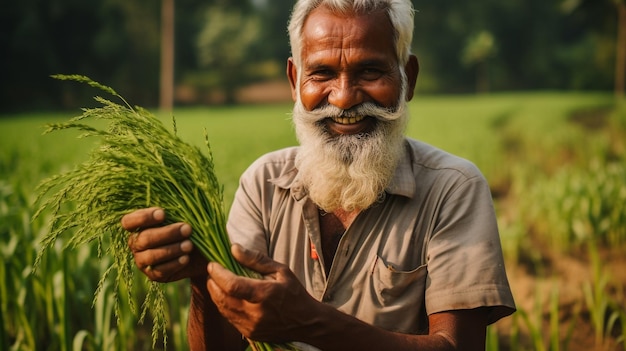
(278, 309)
(271, 309)
(163, 253)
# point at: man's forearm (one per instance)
(337, 331)
(206, 328)
(455, 330)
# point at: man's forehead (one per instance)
(325, 29)
(322, 21)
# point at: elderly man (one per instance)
(367, 240)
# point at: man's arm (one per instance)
(206, 328)
(279, 309)
(165, 254)
(453, 330)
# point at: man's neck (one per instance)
(332, 227)
(345, 217)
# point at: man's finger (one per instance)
(163, 271)
(161, 236)
(232, 285)
(255, 260)
(142, 218)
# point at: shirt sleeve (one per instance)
(245, 224)
(465, 261)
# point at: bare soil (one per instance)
(567, 275)
(274, 91)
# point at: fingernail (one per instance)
(158, 214)
(183, 259)
(186, 246)
(185, 229)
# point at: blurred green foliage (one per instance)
(463, 46)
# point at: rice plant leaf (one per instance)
(138, 163)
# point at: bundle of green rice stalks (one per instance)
(138, 163)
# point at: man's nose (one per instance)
(345, 94)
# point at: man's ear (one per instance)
(292, 75)
(411, 69)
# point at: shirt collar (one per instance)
(403, 181)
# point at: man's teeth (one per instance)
(348, 120)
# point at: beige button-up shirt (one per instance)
(430, 245)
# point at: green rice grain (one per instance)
(138, 163)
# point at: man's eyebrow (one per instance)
(373, 63)
(316, 66)
(312, 66)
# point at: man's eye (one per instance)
(371, 74)
(321, 74)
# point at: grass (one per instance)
(464, 125)
(523, 142)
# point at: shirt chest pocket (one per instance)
(398, 297)
(392, 284)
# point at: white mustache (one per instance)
(367, 109)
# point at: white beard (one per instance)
(349, 172)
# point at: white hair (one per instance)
(400, 14)
(349, 171)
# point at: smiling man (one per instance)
(351, 92)
(368, 240)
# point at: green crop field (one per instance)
(556, 163)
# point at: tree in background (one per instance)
(273, 43)
(128, 38)
(477, 52)
(604, 25)
(562, 44)
(620, 49)
(224, 45)
(39, 38)
(166, 86)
